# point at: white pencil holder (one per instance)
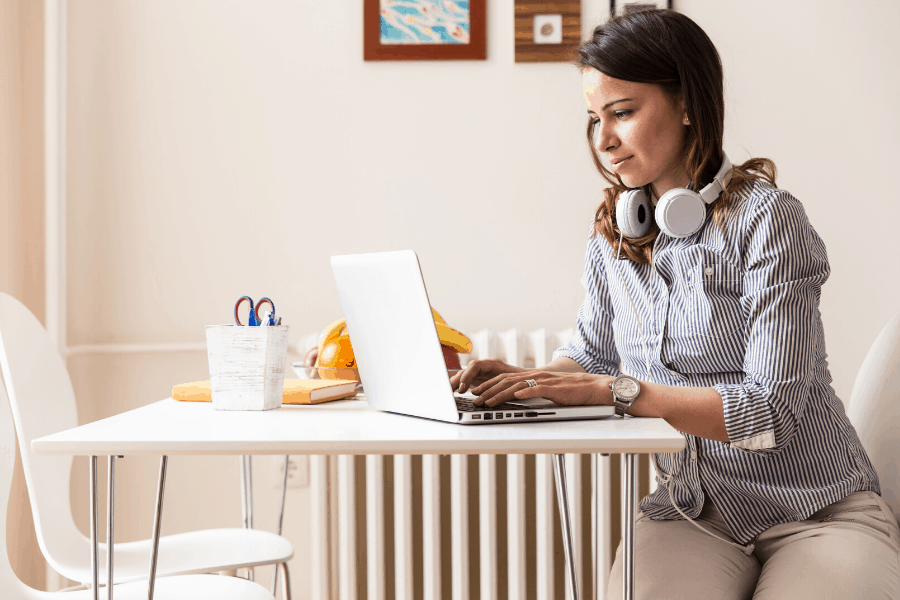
(246, 366)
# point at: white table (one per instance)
(349, 427)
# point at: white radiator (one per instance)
(429, 499)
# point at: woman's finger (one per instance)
(538, 391)
(482, 370)
(500, 393)
(489, 382)
(510, 378)
(468, 374)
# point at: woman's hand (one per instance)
(478, 371)
(568, 389)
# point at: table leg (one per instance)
(157, 520)
(287, 463)
(562, 499)
(629, 497)
(110, 514)
(95, 550)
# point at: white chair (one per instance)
(43, 402)
(875, 410)
(182, 587)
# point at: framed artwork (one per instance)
(621, 7)
(547, 31)
(424, 30)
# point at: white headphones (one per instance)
(679, 213)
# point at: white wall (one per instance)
(225, 148)
(21, 216)
(815, 87)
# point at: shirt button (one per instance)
(709, 271)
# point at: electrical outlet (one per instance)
(298, 471)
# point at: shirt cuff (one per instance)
(762, 441)
(749, 429)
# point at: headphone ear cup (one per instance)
(680, 213)
(633, 213)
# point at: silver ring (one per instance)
(531, 382)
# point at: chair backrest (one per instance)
(13, 588)
(875, 410)
(42, 402)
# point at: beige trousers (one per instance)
(849, 550)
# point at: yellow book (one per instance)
(296, 391)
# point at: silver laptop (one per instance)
(398, 352)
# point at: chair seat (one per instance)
(186, 553)
(185, 587)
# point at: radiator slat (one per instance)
(346, 528)
(487, 524)
(320, 576)
(515, 347)
(459, 526)
(541, 352)
(431, 526)
(334, 583)
(403, 519)
(543, 508)
(374, 527)
(602, 517)
(333, 514)
(573, 484)
(515, 525)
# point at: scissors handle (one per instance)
(251, 318)
(261, 302)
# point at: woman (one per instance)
(721, 327)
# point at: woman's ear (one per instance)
(678, 101)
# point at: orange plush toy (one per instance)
(334, 350)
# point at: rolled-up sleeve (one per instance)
(592, 345)
(785, 265)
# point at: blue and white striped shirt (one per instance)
(738, 312)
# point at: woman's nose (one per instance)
(606, 140)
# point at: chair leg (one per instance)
(247, 498)
(285, 582)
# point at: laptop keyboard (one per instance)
(464, 405)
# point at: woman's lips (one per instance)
(618, 165)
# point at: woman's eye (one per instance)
(622, 114)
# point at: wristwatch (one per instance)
(625, 390)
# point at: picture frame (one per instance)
(619, 7)
(424, 30)
(547, 30)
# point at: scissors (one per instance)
(268, 318)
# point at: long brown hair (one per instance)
(666, 48)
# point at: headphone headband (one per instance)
(719, 182)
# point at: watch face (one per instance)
(626, 388)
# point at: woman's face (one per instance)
(639, 131)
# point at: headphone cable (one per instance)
(663, 477)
